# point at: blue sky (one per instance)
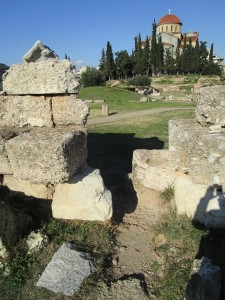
(81, 28)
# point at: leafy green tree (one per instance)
(154, 52)
(93, 77)
(139, 80)
(109, 63)
(102, 61)
(212, 69)
(123, 64)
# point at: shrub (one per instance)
(93, 77)
(139, 80)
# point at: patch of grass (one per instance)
(121, 100)
(190, 79)
(178, 253)
(167, 194)
(96, 238)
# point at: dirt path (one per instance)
(130, 115)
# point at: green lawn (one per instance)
(121, 100)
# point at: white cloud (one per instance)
(79, 62)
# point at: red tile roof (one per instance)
(169, 19)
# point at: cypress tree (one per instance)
(211, 54)
(153, 53)
(138, 66)
(109, 63)
(203, 55)
(160, 52)
(102, 61)
(146, 57)
(196, 59)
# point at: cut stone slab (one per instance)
(83, 197)
(152, 169)
(39, 52)
(47, 155)
(200, 152)
(41, 191)
(205, 204)
(67, 270)
(205, 282)
(211, 105)
(68, 110)
(21, 111)
(40, 78)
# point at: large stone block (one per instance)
(204, 204)
(200, 152)
(44, 77)
(68, 110)
(47, 155)
(5, 135)
(211, 105)
(152, 169)
(37, 190)
(83, 197)
(23, 111)
(205, 282)
(39, 52)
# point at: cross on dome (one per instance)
(169, 11)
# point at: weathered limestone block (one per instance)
(67, 270)
(37, 190)
(39, 52)
(152, 169)
(5, 135)
(23, 111)
(40, 78)
(205, 282)
(68, 110)
(47, 155)
(200, 152)
(83, 197)
(204, 204)
(211, 105)
(12, 224)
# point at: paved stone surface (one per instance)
(67, 270)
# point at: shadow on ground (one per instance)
(112, 153)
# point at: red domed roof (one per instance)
(169, 19)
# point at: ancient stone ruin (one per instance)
(195, 162)
(43, 138)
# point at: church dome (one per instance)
(169, 19)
